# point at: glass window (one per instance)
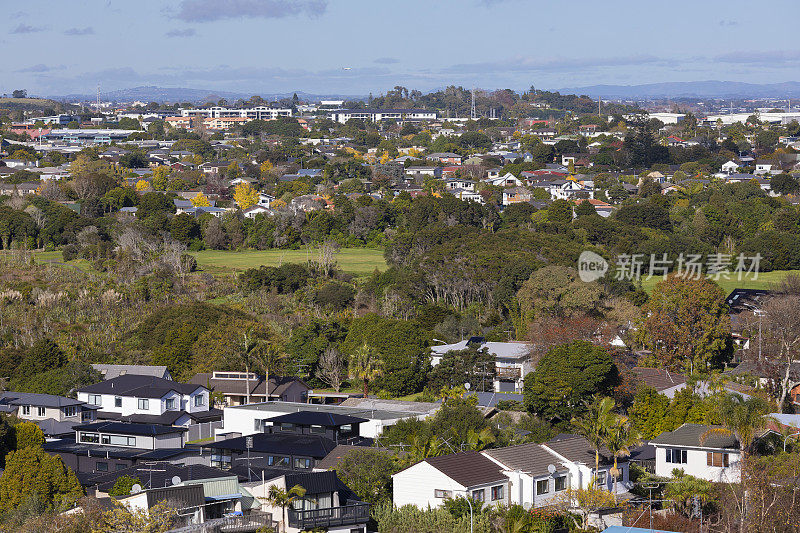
(287, 427)
(92, 438)
(497, 493)
(117, 401)
(40, 411)
(439, 493)
(561, 483)
(601, 478)
(346, 428)
(676, 456)
(278, 460)
(542, 486)
(479, 495)
(302, 463)
(317, 429)
(72, 410)
(144, 404)
(26, 409)
(119, 466)
(101, 466)
(95, 399)
(170, 403)
(199, 400)
(717, 459)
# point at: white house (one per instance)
(729, 168)
(531, 475)
(252, 212)
(512, 363)
(507, 180)
(451, 184)
(698, 452)
(129, 394)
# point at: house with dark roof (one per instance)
(281, 451)
(128, 395)
(700, 451)
(661, 379)
(55, 415)
(153, 474)
(334, 426)
(113, 371)
(327, 505)
(234, 386)
(433, 480)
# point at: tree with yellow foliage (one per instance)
(142, 185)
(265, 168)
(201, 200)
(161, 177)
(245, 195)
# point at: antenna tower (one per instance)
(472, 113)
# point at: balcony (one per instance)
(345, 515)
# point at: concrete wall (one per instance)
(696, 464)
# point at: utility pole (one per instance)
(472, 113)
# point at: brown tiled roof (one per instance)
(658, 378)
(530, 458)
(577, 449)
(468, 468)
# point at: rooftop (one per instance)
(468, 468)
(692, 435)
(284, 407)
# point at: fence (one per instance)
(232, 524)
(204, 430)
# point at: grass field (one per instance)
(765, 280)
(357, 261)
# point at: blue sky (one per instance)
(59, 47)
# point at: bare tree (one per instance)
(779, 343)
(332, 368)
(327, 257)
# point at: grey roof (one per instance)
(140, 386)
(159, 472)
(530, 458)
(491, 399)
(279, 408)
(112, 371)
(468, 468)
(37, 400)
(577, 449)
(53, 428)
(420, 408)
(658, 378)
(337, 454)
(508, 350)
(691, 435)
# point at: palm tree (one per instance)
(594, 425)
(283, 498)
(743, 419)
(270, 357)
(250, 345)
(366, 365)
(620, 438)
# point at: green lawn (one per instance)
(358, 261)
(765, 280)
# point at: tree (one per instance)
(142, 185)
(780, 336)
(19, 93)
(283, 498)
(201, 200)
(584, 502)
(560, 212)
(620, 438)
(245, 195)
(28, 434)
(123, 485)
(687, 325)
(368, 473)
(594, 425)
(365, 365)
(784, 184)
(32, 472)
(159, 518)
(161, 177)
(331, 368)
(566, 377)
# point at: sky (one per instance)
(356, 47)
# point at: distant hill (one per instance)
(692, 89)
(182, 94)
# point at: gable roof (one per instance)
(691, 435)
(530, 458)
(38, 400)
(577, 449)
(140, 386)
(658, 378)
(468, 468)
(113, 371)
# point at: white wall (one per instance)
(416, 485)
(696, 464)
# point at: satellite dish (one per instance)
(176, 480)
(551, 469)
(136, 489)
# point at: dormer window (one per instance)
(170, 404)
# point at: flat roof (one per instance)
(280, 408)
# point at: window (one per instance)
(302, 463)
(439, 493)
(317, 429)
(561, 483)
(279, 461)
(676, 456)
(346, 428)
(40, 411)
(101, 466)
(144, 404)
(479, 495)
(91, 438)
(87, 416)
(118, 440)
(72, 410)
(286, 426)
(717, 459)
(119, 466)
(199, 400)
(601, 478)
(117, 401)
(26, 410)
(95, 399)
(497, 493)
(170, 404)
(542, 486)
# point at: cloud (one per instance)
(40, 68)
(188, 32)
(25, 28)
(528, 64)
(17, 15)
(771, 58)
(88, 30)
(210, 10)
(724, 23)
(386, 60)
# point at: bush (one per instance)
(70, 252)
(334, 295)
